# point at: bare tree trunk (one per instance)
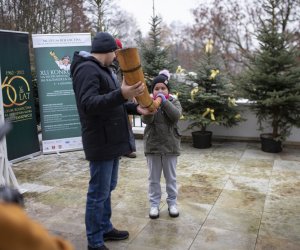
(275, 123)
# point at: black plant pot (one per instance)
(201, 139)
(269, 145)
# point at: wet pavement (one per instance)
(231, 196)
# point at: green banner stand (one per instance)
(61, 130)
(18, 103)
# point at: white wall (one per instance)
(245, 130)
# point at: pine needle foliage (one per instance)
(272, 80)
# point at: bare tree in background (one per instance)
(107, 16)
(100, 11)
(229, 25)
(48, 16)
(79, 20)
(177, 36)
(232, 25)
(124, 26)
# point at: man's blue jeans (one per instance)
(104, 176)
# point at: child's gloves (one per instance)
(162, 96)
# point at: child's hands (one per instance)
(162, 96)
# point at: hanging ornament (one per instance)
(176, 95)
(213, 74)
(211, 112)
(180, 70)
(194, 92)
(237, 117)
(231, 102)
(209, 46)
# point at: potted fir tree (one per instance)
(211, 101)
(272, 80)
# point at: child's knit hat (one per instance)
(163, 77)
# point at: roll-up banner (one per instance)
(59, 116)
(22, 142)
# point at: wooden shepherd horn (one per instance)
(131, 68)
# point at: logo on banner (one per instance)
(16, 91)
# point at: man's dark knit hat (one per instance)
(103, 42)
(162, 78)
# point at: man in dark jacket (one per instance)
(106, 133)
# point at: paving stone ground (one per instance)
(231, 196)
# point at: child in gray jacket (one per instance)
(162, 145)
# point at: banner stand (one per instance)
(17, 96)
(60, 124)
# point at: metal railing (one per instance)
(137, 121)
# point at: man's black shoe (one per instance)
(115, 235)
(98, 248)
(131, 155)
